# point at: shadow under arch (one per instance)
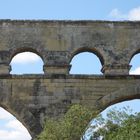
(124, 94)
(26, 118)
(86, 49)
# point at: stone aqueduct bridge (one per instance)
(31, 97)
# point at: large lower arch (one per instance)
(23, 115)
(123, 94)
(11, 128)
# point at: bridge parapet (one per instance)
(57, 42)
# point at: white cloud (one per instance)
(14, 130)
(135, 72)
(16, 125)
(133, 14)
(13, 135)
(117, 14)
(25, 57)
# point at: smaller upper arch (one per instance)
(135, 52)
(134, 62)
(26, 61)
(15, 51)
(87, 49)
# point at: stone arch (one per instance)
(92, 51)
(15, 51)
(24, 116)
(86, 49)
(134, 54)
(124, 94)
(37, 52)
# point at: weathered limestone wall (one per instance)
(31, 97)
(58, 41)
(40, 95)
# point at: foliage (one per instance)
(118, 125)
(70, 127)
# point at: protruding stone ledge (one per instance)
(56, 69)
(116, 69)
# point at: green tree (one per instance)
(71, 127)
(118, 125)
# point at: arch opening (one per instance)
(130, 107)
(86, 63)
(26, 63)
(11, 128)
(135, 63)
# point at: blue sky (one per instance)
(64, 9)
(10, 129)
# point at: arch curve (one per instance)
(87, 49)
(135, 52)
(24, 116)
(16, 51)
(124, 94)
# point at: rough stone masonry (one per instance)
(31, 97)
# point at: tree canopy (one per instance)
(71, 127)
(116, 125)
